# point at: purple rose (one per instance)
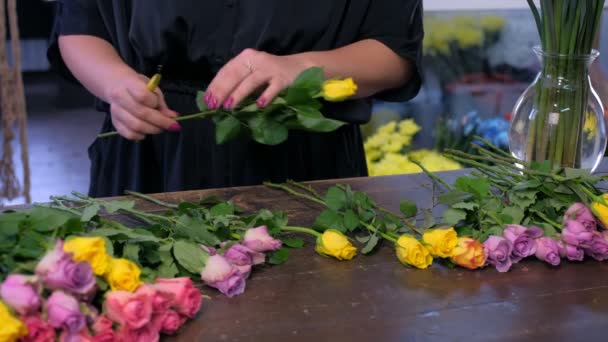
(19, 292)
(522, 239)
(498, 251)
(581, 213)
(224, 276)
(575, 234)
(259, 240)
(64, 313)
(572, 253)
(243, 258)
(548, 250)
(598, 247)
(76, 278)
(49, 262)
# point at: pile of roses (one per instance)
(63, 301)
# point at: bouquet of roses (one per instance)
(68, 297)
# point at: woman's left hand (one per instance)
(248, 72)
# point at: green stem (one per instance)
(293, 192)
(546, 219)
(377, 231)
(301, 230)
(434, 177)
(235, 236)
(304, 187)
(494, 218)
(151, 199)
(180, 118)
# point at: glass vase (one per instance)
(559, 118)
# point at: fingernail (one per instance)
(207, 97)
(214, 103)
(228, 103)
(261, 102)
(174, 128)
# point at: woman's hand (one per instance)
(248, 72)
(136, 111)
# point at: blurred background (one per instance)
(478, 59)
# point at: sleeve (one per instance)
(398, 25)
(74, 17)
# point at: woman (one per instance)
(231, 48)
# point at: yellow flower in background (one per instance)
(409, 127)
(468, 37)
(600, 210)
(469, 253)
(335, 244)
(492, 23)
(339, 90)
(440, 242)
(411, 252)
(590, 125)
(11, 329)
(388, 128)
(91, 250)
(123, 274)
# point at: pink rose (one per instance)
(106, 336)
(575, 234)
(19, 292)
(133, 310)
(522, 239)
(38, 330)
(572, 253)
(243, 258)
(259, 240)
(102, 323)
(168, 322)
(224, 276)
(147, 333)
(597, 248)
(580, 213)
(49, 262)
(498, 251)
(548, 250)
(187, 299)
(82, 336)
(64, 313)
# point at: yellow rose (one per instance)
(339, 90)
(91, 250)
(469, 253)
(440, 242)
(600, 210)
(123, 274)
(334, 243)
(411, 252)
(11, 328)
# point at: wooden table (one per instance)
(375, 298)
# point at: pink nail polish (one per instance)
(261, 103)
(208, 98)
(229, 103)
(174, 128)
(214, 103)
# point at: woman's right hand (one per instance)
(136, 111)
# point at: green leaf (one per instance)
(32, 245)
(429, 219)
(125, 234)
(279, 257)
(267, 131)
(408, 208)
(293, 243)
(524, 198)
(90, 212)
(131, 252)
(466, 205)
(529, 184)
(195, 229)
(563, 189)
(148, 275)
(363, 239)
(478, 186)
(42, 219)
(549, 229)
(109, 246)
(363, 200)
(101, 284)
(222, 209)
(582, 174)
(226, 129)
(335, 198)
(545, 166)
(200, 101)
(515, 215)
(310, 79)
(452, 197)
(114, 206)
(351, 220)
(464, 231)
(371, 244)
(452, 217)
(190, 256)
(311, 119)
(167, 268)
(329, 219)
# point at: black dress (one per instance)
(192, 40)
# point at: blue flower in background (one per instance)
(495, 129)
